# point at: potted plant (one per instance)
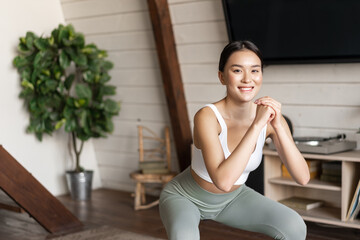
(65, 83)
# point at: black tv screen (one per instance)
(297, 31)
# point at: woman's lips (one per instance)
(246, 89)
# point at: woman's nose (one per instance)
(246, 78)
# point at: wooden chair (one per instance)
(158, 154)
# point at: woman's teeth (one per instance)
(245, 88)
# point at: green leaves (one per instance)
(89, 76)
(43, 59)
(83, 91)
(27, 84)
(20, 62)
(64, 60)
(111, 106)
(107, 65)
(108, 90)
(63, 33)
(68, 81)
(64, 84)
(60, 123)
(51, 84)
(29, 40)
(41, 44)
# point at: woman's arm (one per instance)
(224, 173)
(284, 143)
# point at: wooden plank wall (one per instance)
(320, 99)
(200, 35)
(123, 28)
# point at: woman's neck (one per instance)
(238, 110)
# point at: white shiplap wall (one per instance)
(320, 99)
(123, 28)
(200, 34)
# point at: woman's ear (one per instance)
(221, 77)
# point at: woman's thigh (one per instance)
(253, 212)
(180, 217)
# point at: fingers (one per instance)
(274, 105)
(265, 111)
(272, 114)
(267, 101)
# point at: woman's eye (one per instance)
(237, 70)
(255, 71)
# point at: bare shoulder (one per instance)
(205, 124)
(204, 114)
(205, 118)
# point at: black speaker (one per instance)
(256, 178)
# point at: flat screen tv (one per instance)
(297, 31)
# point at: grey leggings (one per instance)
(183, 203)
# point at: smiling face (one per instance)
(242, 75)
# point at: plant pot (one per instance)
(79, 184)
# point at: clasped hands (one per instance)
(269, 109)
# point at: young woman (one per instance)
(229, 136)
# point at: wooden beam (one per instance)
(31, 196)
(7, 203)
(173, 86)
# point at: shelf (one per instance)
(354, 223)
(336, 196)
(351, 156)
(313, 183)
(327, 215)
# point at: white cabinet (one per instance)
(336, 197)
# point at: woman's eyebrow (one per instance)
(238, 65)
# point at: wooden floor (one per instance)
(115, 208)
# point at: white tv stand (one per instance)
(337, 198)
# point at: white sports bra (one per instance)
(198, 164)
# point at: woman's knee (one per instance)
(295, 228)
(288, 225)
(182, 230)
